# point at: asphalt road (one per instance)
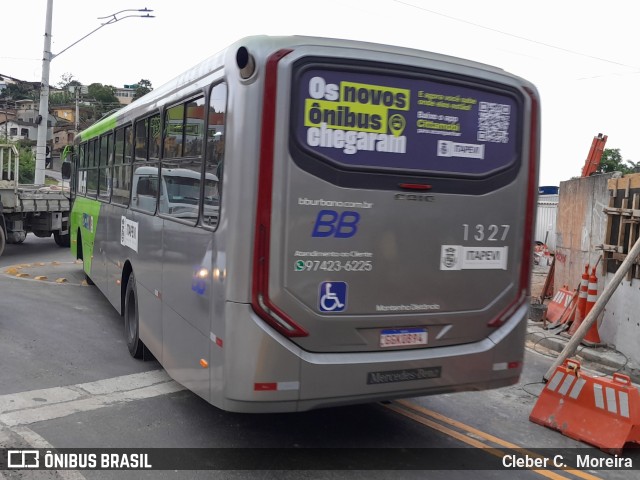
(67, 381)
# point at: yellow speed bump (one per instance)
(54, 272)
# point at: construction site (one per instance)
(584, 306)
(590, 240)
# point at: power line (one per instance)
(495, 30)
(22, 58)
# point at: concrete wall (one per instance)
(620, 325)
(581, 226)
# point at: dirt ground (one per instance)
(538, 277)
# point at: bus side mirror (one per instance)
(66, 170)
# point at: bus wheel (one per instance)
(62, 240)
(80, 256)
(3, 240)
(131, 323)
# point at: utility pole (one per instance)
(47, 56)
(77, 117)
(43, 113)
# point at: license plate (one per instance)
(403, 337)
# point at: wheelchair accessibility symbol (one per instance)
(332, 296)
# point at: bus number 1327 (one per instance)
(492, 233)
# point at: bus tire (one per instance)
(80, 256)
(3, 240)
(131, 323)
(87, 279)
(62, 240)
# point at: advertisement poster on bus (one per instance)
(411, 123)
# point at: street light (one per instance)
(47, 56)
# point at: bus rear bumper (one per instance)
(287, 378)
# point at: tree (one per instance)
(64, 97)
(612, 162)
(18, 91)
(144, 87)
(66, 81)
(105, 98)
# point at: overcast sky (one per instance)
(582, 55)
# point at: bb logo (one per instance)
(330, 223)
(332, 296)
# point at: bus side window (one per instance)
(82, 170)
(181, 172)
(215, 154)
(145, 164)
(121, 187)
(93, 155)
(104, 168)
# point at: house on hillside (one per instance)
(67, 113)
(6, 80)
(125, 95)
(19, 119)
(63, 135)
(19, 130)
(6, 113)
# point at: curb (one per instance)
(605, 359)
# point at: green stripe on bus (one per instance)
(98, 128)
(84, 218)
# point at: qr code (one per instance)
(493, 122)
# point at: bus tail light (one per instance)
(507, 366)
(527, 243)
(260, 300)
(415, 186)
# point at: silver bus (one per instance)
(363, 231)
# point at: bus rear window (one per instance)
(409, 123)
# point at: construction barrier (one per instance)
(596, 410)
(561, 306)
(592, 338)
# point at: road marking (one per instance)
(17, 410)
(36, 441)
(418, 413)
(33, 406)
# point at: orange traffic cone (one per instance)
(592, 338)
(581, 310)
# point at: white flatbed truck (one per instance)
(41, 210)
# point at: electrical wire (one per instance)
(582, 347)
(520, 37)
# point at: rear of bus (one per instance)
(392, 252)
